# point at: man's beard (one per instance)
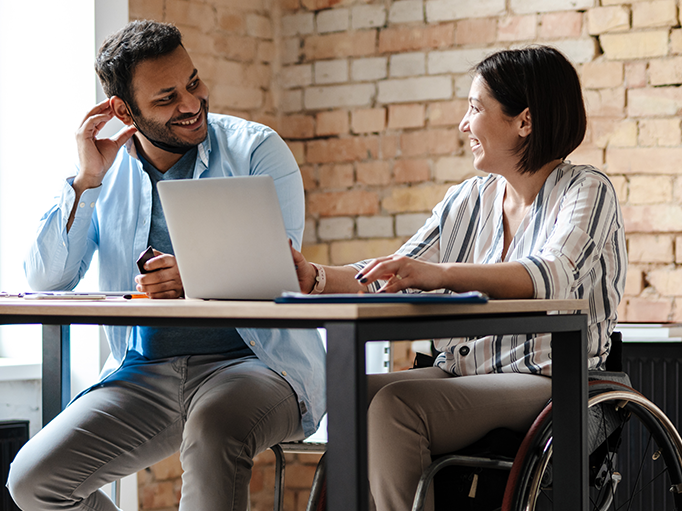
(161, 135)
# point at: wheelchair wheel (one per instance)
(635, 456)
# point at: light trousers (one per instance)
(218, 413)
(416, 414)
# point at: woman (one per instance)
(536, 227)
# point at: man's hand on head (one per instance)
(163, 279)
(96, 155)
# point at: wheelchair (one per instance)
(635, 458)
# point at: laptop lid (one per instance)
(229, 237)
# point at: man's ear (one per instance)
(525, 125)
(120, 109)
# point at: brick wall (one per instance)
(369, 93)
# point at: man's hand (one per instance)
(97, 155)
(164, 280)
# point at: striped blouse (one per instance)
(572, 243)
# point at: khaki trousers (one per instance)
(416, 414)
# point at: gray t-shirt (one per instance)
(169, 341)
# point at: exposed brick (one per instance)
(317, 253)
(340, 150)
(587, 156)
(659, 13)
(411, 171)
(231, 21)
(666, 281)
(296, 76)
(235, 47)
(530, 6)
(635, 75)
(454, 169)
(413, 199)
(650, 190)
(620, 184)
(456, 61)
(336, 176)
(345, 252)
(613, 132)
(291, 52)
(373, 173)
(316, 5)
(437, 141)
(651, 310)
(659, 102)
(444, 10)
(369, 120)
(634, 282)
(601, 74)
(297, 126)
(578, 51)
(345, 44)
(232, 96)
(298, 150)
(158, 495)
(375, 226)
(608, 19)
(665, 71)
(650, 248)
(369, 69)
(407, 64)
(193, 14)
(406, 11)
(409, 90)
(368, 16)
(635, 45)
(331, 71)
(308, 175)
(389, 145)
(517, 28)
(350, 203)
(447, 113)
(147, 10)
(298, 24)
(605, 102)
(406, 116)
(676, 41)
(557, 25)
(475, 31)
(644, 160)
(259, 26)
(678, 249)
(395, 40)
(168, 468)
(650, 219)
(336, 228)
(196, 41)
(332, 123)
(463, 85)
(335, 20)
(660, 132)
(409, 223)
(334, 96)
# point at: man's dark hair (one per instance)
(541, 79)
(122, 51)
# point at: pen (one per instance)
(133, 296)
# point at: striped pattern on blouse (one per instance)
(572, 243)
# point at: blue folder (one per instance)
(469, 297)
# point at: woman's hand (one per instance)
(304, 270)
(164, 280)
(402, 272)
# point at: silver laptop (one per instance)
(229, 237)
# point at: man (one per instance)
(220, 396)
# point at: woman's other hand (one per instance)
(402, 272)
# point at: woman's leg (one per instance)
(413, 418)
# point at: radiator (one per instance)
(13, 434)
(655, 369)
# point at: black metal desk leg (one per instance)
(347, 484)
(569, 420)
(56, 382)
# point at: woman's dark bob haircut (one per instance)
(541, 79)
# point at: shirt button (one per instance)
(82, 204)
(92, 204)
(284, 373)
(252, 343)
(464, 351)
